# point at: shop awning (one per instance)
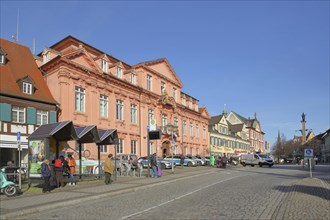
(87, 134)
(108, 137)
(61, 131)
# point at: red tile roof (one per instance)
(20, 64)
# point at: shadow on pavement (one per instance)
(320, 192)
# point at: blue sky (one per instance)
(268, 57)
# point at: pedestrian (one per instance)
(182, 161)
(212, 160)
(46, 174)
(153, 163)
(72, 169)
(108, 169)
(59, 168)
(224, 161)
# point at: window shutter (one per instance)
(52, 117)
(5, 112)
(31, 116)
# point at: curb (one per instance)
(40, 208)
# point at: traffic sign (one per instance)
(308, 153)
(153, 125)
(18, 136)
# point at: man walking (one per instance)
(108, 169)
(182, 161)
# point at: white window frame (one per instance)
(162, 87)
(45, 57)
(2, 59)
(103, 148)
(27, 88)
(133, 146)
(119, 109)
(18, 114)
(119, 72)
(119, 146)
(174, 93)
(150, 116)
(133, 78)
(104, 65)
(184, 127)
(164, 120)
(42, 117)
(197, 131)
(149, 82)
(176, 121)
(104, 106)
(191, 129)
(133, 113)
(79, 99)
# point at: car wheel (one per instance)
(163, 166)
(243, 164)
(189, 164)
(260, 164)
(252, 165)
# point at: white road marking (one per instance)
(179, 197)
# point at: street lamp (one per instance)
(172, 129)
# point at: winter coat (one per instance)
(45, 170)
(72, 164)
(109, 165)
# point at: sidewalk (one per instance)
(31, 202)
(307, 198)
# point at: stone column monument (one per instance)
(303, 129)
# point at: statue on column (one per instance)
(303, 117)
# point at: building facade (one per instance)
(251, 129)
(25, 101)
(234, 134)
(227, 138)
(95, 88)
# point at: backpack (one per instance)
(58, 163)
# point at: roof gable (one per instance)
(235, 118)
(21, 64)
(164, 69)
(204, 112)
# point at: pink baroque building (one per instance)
(94, 88)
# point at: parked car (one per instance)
(199, 161)
(206, 159)
(177, 158)
(164, 164)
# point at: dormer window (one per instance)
(133, 78)
(119, 72)
(104, 66)
(2, 57)
(27, 88)
(46, 57)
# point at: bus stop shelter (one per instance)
(86, 134)
(45, 143)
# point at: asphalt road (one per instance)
(240, 193)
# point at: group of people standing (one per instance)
(61, 166)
